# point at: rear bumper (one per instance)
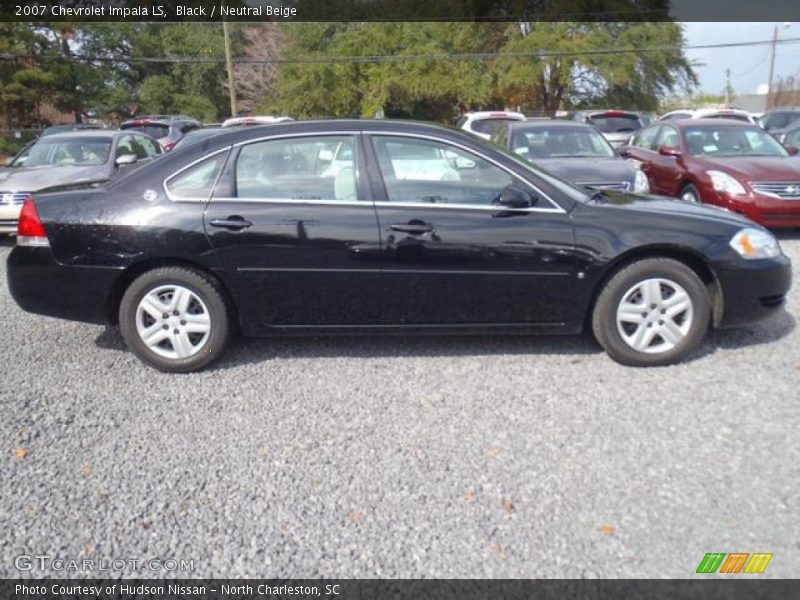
(41, 285)
(753, 289)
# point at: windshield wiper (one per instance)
(597, 195)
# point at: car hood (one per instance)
(589, 169)
(662, 205)
(33, 179)
(756, 168)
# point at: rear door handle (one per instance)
(418, 227)
(234, 222)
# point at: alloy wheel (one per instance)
(654, 315)
(173, 321)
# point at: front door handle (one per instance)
(234, 222)
(413, 227)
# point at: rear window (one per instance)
(616, 123)
(733, 117)
(489, 125)
(154, 130)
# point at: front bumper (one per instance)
(40, 284)
(753, 289)
(9, 215)
(770, 212)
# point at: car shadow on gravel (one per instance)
(764, 332)
(243, 351)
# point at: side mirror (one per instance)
(669, 151)
(514, 196)
(792, 150)
(624, 151)
(325, 155)
(125, 159)
(9, 160)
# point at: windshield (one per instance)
(608, 123)
(559, 142)
(732, 141)
(84, 151)
(572, 191)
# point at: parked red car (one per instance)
(727, 163)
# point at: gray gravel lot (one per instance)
(401, 457)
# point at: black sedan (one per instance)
(573, 151)
(383, 226)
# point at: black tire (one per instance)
(604, 317)
(206, 289)
(691, 188)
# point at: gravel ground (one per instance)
(401, 457)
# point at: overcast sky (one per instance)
(749, 65)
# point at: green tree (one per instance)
(569, 72)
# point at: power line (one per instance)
(393, 58)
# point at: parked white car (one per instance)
(736, 114)
(483, 123)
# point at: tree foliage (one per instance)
(538, 66)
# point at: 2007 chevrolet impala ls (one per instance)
(387, 226)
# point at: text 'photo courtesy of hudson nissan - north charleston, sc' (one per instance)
(417, 229)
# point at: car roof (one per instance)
(685, 123)
(550, 123)
(85, 133)
(495, 114)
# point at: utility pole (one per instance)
(229, 67)
(772, 67)
(727, 87)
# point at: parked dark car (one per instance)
(779, 121)
(167, 130)
(617, 126)
(69, 160)
(723, 162)
(427, 230)
(573, 151)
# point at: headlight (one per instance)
(753, 243)
(640, 183)
(725, 183)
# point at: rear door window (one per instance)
(308, 168)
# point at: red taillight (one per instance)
(614, 113)
(30, 231)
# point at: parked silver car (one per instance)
(66, 160)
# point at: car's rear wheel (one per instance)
(653, 312)
(175, 319)
(690, 193)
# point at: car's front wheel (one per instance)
(175, 319)
(690, 193)
(653, 312)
